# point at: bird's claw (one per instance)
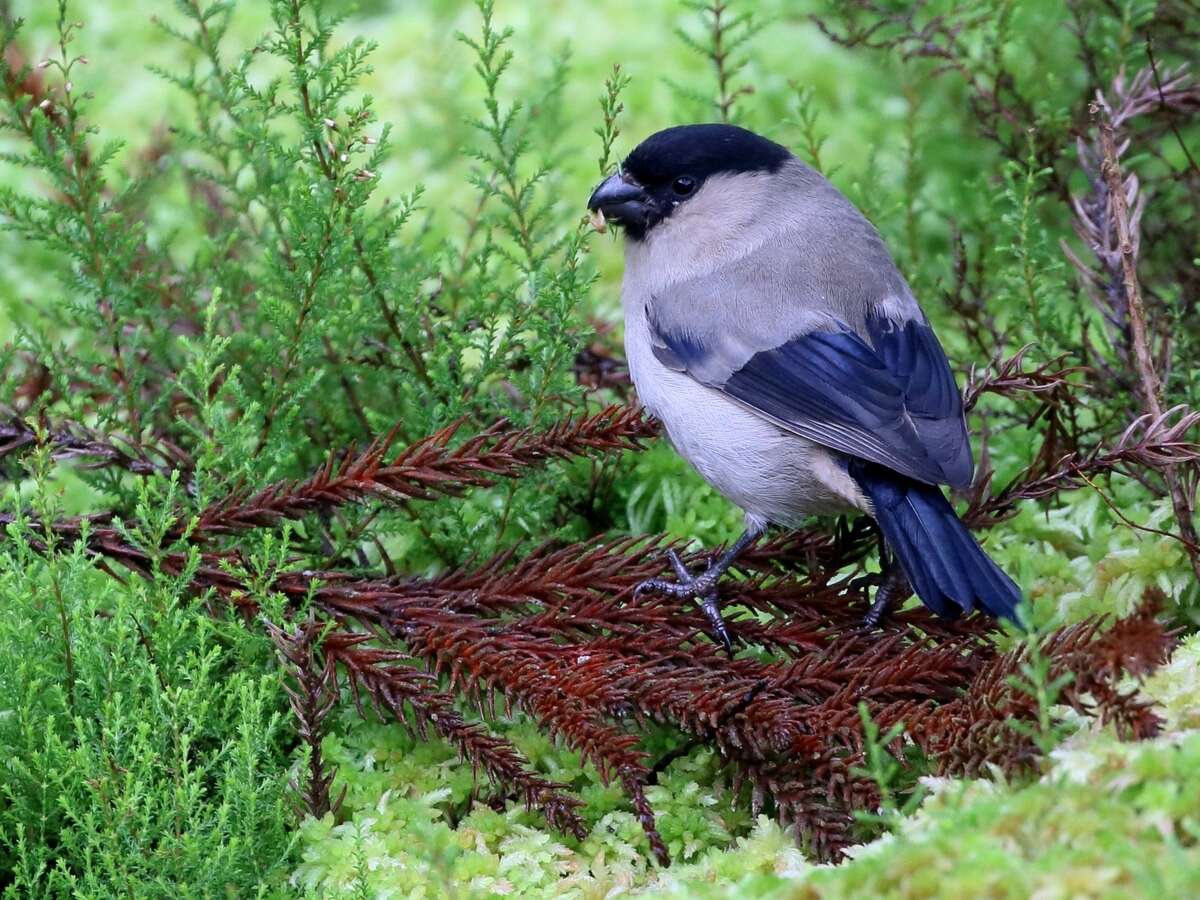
(711, 610)
(702, 587)
(658, 586)
(879, 609)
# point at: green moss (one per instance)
(1175, 687)
(413, 811)
(1109, 819)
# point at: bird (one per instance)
(769, 330)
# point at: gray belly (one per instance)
(772, 474)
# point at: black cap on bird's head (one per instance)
(669, 167)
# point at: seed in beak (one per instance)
(599, 223)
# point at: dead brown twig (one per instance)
(73, 442)
(312, 695)
(428, 468)
(1108, 220)
(1010, 376)
(1150, 442)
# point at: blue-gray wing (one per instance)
(887, 395)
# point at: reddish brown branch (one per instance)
(561, 634)
(396, 688)
(71, 441)
(426, 469)
(312, 696)
(975, 732)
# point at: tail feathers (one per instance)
(945, 565)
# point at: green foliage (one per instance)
(720, 37)
(276, 252)
(247, 251)
(896, 799)
(1036, 679)
(1107, 819)
(145, 744)
(610, 109)
(811, 140)
(1176, 686)
(1032, 266)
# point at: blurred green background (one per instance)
(424, 86)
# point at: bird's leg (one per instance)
(873, 579)
(704, 585)
(893, 588)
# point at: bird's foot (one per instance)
(893, 588)
(879, 609)
(702, 586)
(688, 585)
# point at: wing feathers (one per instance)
(894, 402)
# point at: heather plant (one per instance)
(325, 492)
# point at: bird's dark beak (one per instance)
(621, 200)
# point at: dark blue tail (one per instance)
(945, 565)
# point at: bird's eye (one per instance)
(683, 185)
